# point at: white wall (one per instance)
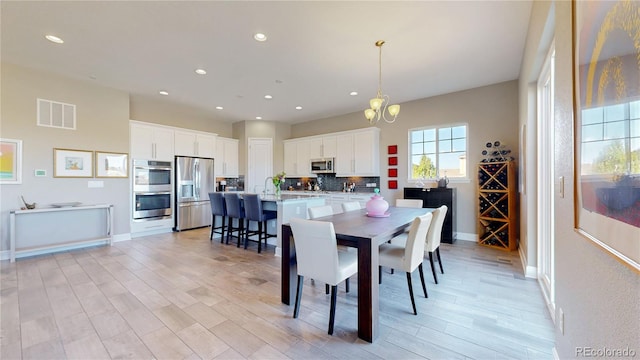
(597, 293)
(102, 124)
(491, 112)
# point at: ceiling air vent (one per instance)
(56, 114)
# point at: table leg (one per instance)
(289, 271)
(368, 291)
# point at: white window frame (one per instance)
(458, 179)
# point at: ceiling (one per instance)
(317, 52)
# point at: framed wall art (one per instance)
(72, 163)
(10, 161)
(606, 73)
(111, 165)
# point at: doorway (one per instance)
(546, 180)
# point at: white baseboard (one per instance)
(529, 271)
(467, 237)
(150, 232)
(6, 254)
(278, 252)
(121, 237)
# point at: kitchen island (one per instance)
(290, 206)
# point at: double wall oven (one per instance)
(151, 189)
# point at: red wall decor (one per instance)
(393, 161)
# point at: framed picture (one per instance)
(606, 74)
(392, 173)
(112, 164)
(393, 184)
(72, 163)
(10, 161)
(393, 160)
(392, 149)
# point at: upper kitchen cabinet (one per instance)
(296, 158)
(151, 142)
(358, 153)
(226, 158)
(322, 147)
(193, 143)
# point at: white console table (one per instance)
(59, 227)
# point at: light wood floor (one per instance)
(176, 296)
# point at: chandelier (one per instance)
(380, 103)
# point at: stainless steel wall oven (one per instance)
(151, 189)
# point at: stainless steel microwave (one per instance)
(323, 166)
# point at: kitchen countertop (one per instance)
(290, 197)
(326, 192)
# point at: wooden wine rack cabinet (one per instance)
(498, 205)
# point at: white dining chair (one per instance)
(320, 211)
(412, 203)
(318, 257)
(351, 206)
(409, 257)
(433, 238)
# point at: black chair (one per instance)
(254, 212)
(218, 208)
(234, 211)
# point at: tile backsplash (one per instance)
(329, 182)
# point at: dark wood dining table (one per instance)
(354, 229)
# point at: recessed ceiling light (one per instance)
(201, 71)
(353, 93)
(54, 39)
(258, 117)
(268, 97)
(163, 92)
(260, 37)
(219, 108)
(298, 107)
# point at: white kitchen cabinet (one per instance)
(362, 199)
(296, 158)
(336, 201)
(150, 142)
(366, 149)
(358, 153)
(322, 147)
(193, 143)
(345, 158)
(226, 158)
(290, 158)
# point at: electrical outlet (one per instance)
(561, 321)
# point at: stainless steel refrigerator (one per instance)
(194, 181)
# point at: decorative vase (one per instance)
(377, 206)
(278, 191)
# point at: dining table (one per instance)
(366, 233)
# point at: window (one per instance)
(611, 139)
(438, 151)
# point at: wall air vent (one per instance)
(56, 114)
